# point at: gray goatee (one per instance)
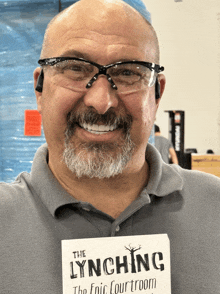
(98, 159)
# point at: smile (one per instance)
(98, 129)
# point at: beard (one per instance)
(98, 159)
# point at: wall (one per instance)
(189, 36)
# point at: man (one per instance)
(92, 179)
(165, 147)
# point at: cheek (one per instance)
(56, 104)
(143, 110)
(149, 112)
(142, 107)
(58, 101)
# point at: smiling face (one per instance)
(97, 127)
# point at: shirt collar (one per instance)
(163, 180)
(52, 194)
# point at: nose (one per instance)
(101, 96)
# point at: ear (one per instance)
(162, 81)
(37, 94)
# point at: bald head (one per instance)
(103, 18)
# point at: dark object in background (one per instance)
(210, 151)
(176, 133)
(187, 162)
(191, 150)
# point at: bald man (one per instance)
(98, 88)
(117, 159)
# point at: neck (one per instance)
(110, 195)
(157, 134)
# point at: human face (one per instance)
(104, 41)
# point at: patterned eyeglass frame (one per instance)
(102, 68)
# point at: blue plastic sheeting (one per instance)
(152, 137)
(22, 27)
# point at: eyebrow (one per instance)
(78, 54)
(75, 53)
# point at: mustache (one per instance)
(92, 117)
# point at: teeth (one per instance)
(98, 129)
(101, 128)
(112, 128)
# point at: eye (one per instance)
(75, 65)
(75, 69)
(127, 72)
(78, 68)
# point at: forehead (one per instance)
(100, 27)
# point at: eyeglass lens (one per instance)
(129, 77)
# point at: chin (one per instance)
(98, 160)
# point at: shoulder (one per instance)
(162, 139)
(196, 176)
(198, 183)
(15, 194)
(20, 190)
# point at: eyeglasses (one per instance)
(124, 76)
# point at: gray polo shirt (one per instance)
(163, 145)
(36, 213)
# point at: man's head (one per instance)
(99, 130)
(80, 8)
(156, 129)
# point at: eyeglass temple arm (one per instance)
(158, 68)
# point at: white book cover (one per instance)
(115, 265)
